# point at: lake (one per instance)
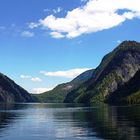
(69, 122)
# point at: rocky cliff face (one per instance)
(10, 92)
(129, 93)
(116, 69)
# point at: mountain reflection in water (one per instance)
(69, 121)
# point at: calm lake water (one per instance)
(69, 122)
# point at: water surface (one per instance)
(69, 122)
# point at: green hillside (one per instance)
(116, 69)
(58, 94)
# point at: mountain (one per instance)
(10, 92)
(59, 93)
(129, 93)
(114, 73)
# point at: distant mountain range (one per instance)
(115, 81)
(10, 92)
(58, 94)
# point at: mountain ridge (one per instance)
(59, 93)
(10, 92)
(115, 69)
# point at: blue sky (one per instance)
(44, 43)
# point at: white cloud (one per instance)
(119, 41)
(40, 90)
(72, 73)
(58, 10)
(25, 76)
(36, 79)
(57, 35)
(33, 25)
(46, 10)
(27, 34)
(55, 11)
(95, 15)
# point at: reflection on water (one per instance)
(69, 122)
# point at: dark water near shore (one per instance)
(69, 122)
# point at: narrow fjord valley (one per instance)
(114, 81)
(108, 83)
(69, 70)
(59, 93)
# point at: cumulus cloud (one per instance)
(95, 15)
(72, 73)
(36, 79)
(40, 90)
(57, 35)
(33, 25)
(27, 33)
